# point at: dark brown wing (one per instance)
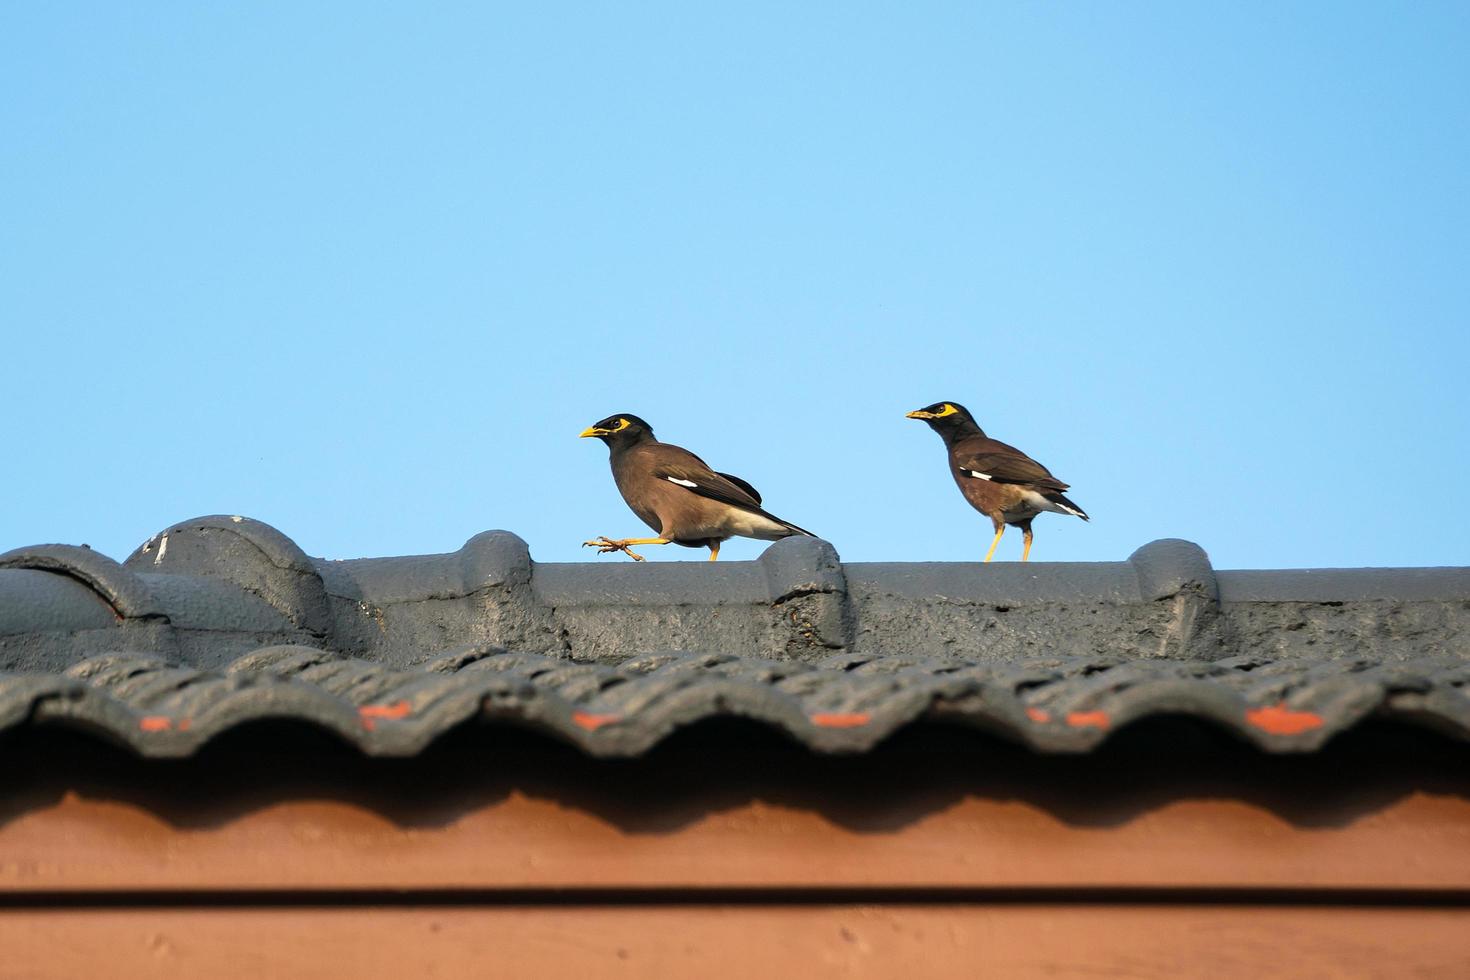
(683, 468)
(1000, 466)
(754, 493)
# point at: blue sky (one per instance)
(364, 271)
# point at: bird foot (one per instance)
(605, 545)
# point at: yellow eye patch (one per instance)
(596, 430)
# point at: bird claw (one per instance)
(606, 545)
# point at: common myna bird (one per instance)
(676, 493)
(999, 481)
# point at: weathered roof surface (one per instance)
(223, 620)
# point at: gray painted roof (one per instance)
(223, 620)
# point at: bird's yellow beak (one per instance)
(598, 430)
(924, 413)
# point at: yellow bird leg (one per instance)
(605, 544)
(714, 551)
(1026, 548)
(991, 553)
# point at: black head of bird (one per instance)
(620, 430)
(949, 419)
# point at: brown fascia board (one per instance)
(222, 620)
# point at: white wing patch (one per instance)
(976, 474)
(682, 483)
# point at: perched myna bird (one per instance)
(999, 481)
(674, 492)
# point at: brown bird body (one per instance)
(997, 479)
(678, 495)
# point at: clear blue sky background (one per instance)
(364, 271)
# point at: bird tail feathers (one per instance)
(1066, 506)
(786, 524)
(792, 527)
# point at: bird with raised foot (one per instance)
(675, 492)
(998, 480)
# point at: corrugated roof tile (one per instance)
(231, 623)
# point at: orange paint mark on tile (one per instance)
(1089, 719)
(155, 723)
(396, 710)
(1038, 716)
(1278, 719)
(854, 719)
(185, 724)
(592, 722)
